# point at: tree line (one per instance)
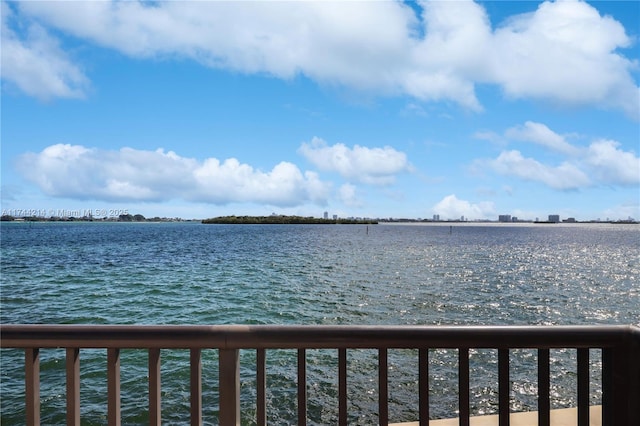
(286, 220)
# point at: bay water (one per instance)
(190, 273)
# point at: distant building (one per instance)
(326, 215)
(570, 220)
(554, 218)
(436, 218)
(335, 217)
(504, 218)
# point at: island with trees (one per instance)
(286, 220)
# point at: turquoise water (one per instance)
(189, 273)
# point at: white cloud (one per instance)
(37, 65)
(376, 166)
(540, 134)
(352, 44)
(564, 52)
(564, 176)
(601, 163)
(613, 165)
(450, 207)
(78, 172)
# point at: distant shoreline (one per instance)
(284, 220)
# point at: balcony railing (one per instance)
(620, 347)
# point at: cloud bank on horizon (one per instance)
(563, 53)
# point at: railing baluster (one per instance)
(583, 387)
(617, 372)
(155, 416)
(633, 391)
(229, 365)
(544, 406)
(423, 383)
(73, 386)
(504, 387)
(463, 385)
(195, 375)
(113, 386)
(302, 387)
(342, 387)
(383, 387)
(261, 387)
(607, 387)
(32, 385)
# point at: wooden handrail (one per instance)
(620, 347)
(312, 336)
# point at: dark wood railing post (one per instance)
(621, 382)
(544, 387)
(617, 379)
(634, 376)
(463, 386)
(504, 388)
(113, 386)
(229, 365)
(423, 372)
(155, 417)
(342, 387)
(261, 387)
(32, 385)
(383, 387)
(195, 379)
(73, 386)
(607, 387)
(302, 387)
(583, 387)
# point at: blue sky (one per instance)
(366, 109)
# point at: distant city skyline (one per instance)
(363, 109)
(125, 216)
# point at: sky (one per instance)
(372, 109)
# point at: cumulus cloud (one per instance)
(37, 65)
(564, 176)
(78, 172)
(540, 134)
(376, 166)
(611, 164)
(603, 162)
(450, 207)
(563, 52)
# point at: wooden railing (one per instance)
(620, 347)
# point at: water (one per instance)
(187, 273)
